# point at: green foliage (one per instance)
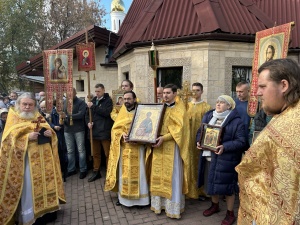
(27, 27)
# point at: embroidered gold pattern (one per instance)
(46, 176)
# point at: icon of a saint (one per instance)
(86, 59)
(145, 128)
(120, 101)
(270, 52)
(59, 71)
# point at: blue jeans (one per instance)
(71, 139)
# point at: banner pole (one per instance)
(89, 100)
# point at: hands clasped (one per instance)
(34, 135)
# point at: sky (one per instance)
(107, 4)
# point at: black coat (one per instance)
(78, 113)
(222, 177)
(101, 118)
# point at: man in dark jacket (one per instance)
(101, 107)
(74, 134)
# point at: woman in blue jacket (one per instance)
(222, 178)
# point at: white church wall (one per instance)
(204, 62)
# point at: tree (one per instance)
(62, 19)
(28, 27)
(16, 41)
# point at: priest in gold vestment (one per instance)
(170, 158)
(196, 110)
(270, 170)
(30, 176)
(126, 172)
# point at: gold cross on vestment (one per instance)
(38, 122)
(185, 93)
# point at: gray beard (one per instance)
(27, 115)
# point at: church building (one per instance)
(207, 41)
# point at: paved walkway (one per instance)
(88, 203)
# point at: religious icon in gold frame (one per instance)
(147, 122)
(117, 98)
(58, 68)
(210, 137)
(272, 43)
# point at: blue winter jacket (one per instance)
(222, 177)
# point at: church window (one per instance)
(240, 73)
(126, 76)
(169, 75)
(80, 85)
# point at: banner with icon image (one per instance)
(270, 44)
(86, 56)
(58, 73)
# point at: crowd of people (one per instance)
(41, 154)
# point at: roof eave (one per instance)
(199, 37)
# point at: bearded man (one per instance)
(126, 171)
(30, 177)
(170, 158)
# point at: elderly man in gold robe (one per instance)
(270, 170)
(196, 110)
(126, 172)
(170, 162)
(30, 176)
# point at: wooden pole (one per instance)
(155, 84)
(89, 100)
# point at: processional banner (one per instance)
(270, 44)
(86, 56)
(58, 73)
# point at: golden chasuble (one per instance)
(130, 158)
(270, 171)
(195, 113)
(46, 178)
(175, 129)
(115, 111)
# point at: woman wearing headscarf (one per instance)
(221, 178)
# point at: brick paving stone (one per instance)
(160, 221)
(150, 218)
(97, 214)
(115, 220)
(82, 217)
(136, 221)
(98, 221)
(88, 203)
(123, 221)
(149, 223)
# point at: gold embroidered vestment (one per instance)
(174, 130)
(46, 178)
(195, 113)
(269, 173)
(130, 158)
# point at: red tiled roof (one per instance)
(187, 20)
(98, 35)
(281, 12)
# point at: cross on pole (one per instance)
(185, 93)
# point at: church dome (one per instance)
(117, 6)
